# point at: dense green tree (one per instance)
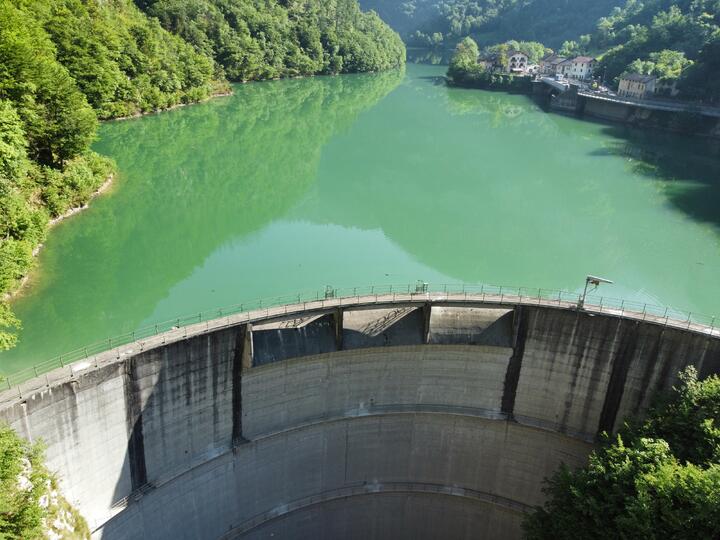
(666, 65)
(576, 48)
(59, 123)
(669, 38)
(702, 79)
(123, 62)
(253, 40)
(464, 62)
(658, 479)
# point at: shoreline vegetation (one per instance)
(224, 93)
(465, 71)
(69, 64)
(20, 285)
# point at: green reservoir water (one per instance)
(289, 186)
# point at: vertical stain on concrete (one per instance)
(186, 368)
(576, 356)
(136, 443)
(602, 343)
(215, 371)
(73, 410)
(637, 395)
(237, 368)
(620, 366)
(512, 375)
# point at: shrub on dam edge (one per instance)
(31, 505)
(656, 479)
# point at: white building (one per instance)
(517, 62)
(581, 68)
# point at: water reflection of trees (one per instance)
(434, 57)
(499, 107)
(191, 179)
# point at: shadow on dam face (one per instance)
(405, 420)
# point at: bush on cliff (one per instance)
(657, 479)
(30, 504)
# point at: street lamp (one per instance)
(595, 281)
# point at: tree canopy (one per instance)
(675, 40)
(656, 479)
(253, 40)
(446, 22)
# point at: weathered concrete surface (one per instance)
(300, 426)
(83, 425)
(183, 398)
(420, 517)
(462, 379)
(276, 342)
(265, 478)
(582, 374)
(382, 327)
(471, 326)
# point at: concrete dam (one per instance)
(416, 416)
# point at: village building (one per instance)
(549, 64)
(517, 62)
(581, 68)
(666, 87)
(563, 68)
(636, 85)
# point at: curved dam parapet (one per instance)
(397, 416)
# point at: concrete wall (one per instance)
(303, 469)
(680, 122)
(606, 110)
(389, 422)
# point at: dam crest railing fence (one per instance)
(77, 360)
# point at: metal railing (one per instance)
(388, 293)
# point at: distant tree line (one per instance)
(253, 40)
(446, 22)
(64, 64)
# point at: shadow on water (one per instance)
(686, 169)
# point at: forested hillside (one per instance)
(260, 40)
(673, 39)
(64, 64)
(446, 22)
